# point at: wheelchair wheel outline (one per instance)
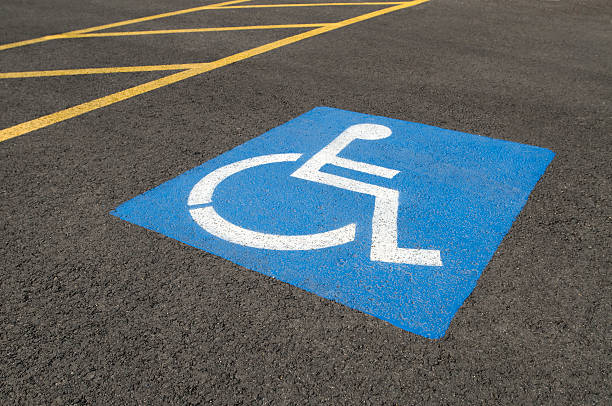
(207, 218)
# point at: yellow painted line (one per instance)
(157, 16)
(317, 31)
(371, 3)
(94, 71)
(118, 24)
(71, 112)
(191, 30)
(29, 42)
(75, 111)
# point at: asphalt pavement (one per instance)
(96, 310)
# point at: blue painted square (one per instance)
(458, 196)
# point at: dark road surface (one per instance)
(97, 310)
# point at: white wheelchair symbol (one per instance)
(384, 220)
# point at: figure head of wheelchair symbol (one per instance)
(384, 246)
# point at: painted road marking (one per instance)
(384, 220)
(374, 3)
(386, 202)
(214, 224)
(118, 24)
(98, 71)
(191, 69)
(392, 218)
(192, 30)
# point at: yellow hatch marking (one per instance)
(192, 69)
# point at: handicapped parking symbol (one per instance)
(392, 218)
(384, 219)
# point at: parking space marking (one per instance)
(217, 6)
(92, 71)
(373, 3)
(192, 30)
(192, 70)
(118, 24)
(392, 218)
